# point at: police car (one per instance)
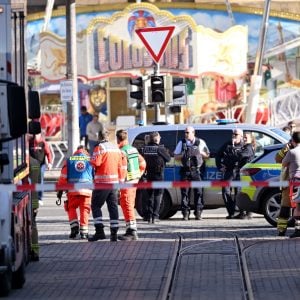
(262, 200)
(215, 136)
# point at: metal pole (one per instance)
(72, 107)
(229, 10)
(143, 114)
(156, 106)
(47, 18)
(256, 78)
(143, 111)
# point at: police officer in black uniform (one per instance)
(231, 157)
(190, 152)
(156, 156)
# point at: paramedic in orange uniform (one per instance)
(108, 161)
(77, 169)
(135, 168)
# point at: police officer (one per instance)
(190, 152)
(229, 161)
(156, 156)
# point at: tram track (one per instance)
(177, 268)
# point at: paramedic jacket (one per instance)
(108, 162)
(77, 169)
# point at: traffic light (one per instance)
(138, 85)
(175, 91)
(157, 83)
(136, 93)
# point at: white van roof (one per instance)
(134, 131)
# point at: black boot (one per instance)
(198, 214)
(185, 215)
(130, 235)
(155, 220)
(74, 232)
(249, 215)
(99, 235)
(240, 216)
(113, 234)
(34, 256)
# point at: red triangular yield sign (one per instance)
(155, 39)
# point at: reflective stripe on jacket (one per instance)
(107, 160)
(135, 162)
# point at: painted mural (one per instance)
(111, 47)
(96, 26)
(205, 45)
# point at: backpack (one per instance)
(133, 166)
(192, 158)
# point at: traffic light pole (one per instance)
(156, 69)
(156, 105)
(143, 114)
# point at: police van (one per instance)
(215, 136)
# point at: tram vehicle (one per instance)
(15, 207)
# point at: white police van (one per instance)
(215, 136)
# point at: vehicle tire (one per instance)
(140, 202)
(165, 210)
(5, 282)
(18, 277)
(271, 206)
(171, 213)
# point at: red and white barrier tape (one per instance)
(142, 185)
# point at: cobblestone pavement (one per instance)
(210, 259)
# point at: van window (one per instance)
(262, 140)
(214, 139)
(168, 139)
(139, 141)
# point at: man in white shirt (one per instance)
(92, 131)
(191, 151)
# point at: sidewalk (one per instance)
(171, 260)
